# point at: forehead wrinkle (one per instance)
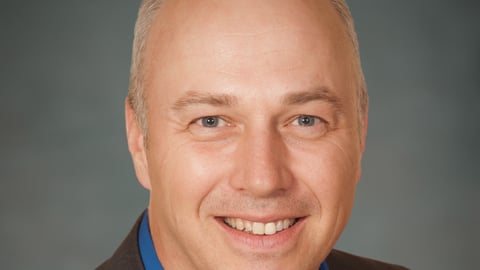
(289, 40)
(256, 33)
(193, 98)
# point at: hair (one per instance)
(146, 14)
(136, 90)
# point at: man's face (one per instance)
(253, 124)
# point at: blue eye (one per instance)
(307, 126)
(211, 122)
(306, 120)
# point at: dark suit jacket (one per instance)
(127, 257)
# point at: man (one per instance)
(246, 121)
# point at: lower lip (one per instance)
(279, 241)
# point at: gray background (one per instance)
(68, 193)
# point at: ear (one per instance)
(136, 146)
(363, 141)
(363, 134)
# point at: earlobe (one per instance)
(136, 146)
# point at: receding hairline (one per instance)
(146, 16)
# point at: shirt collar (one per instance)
(147, 249)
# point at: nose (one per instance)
(262, 164)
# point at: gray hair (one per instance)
(136, 90)
(146, 14)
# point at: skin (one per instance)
(256, 68)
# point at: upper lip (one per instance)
(262, 219)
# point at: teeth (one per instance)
(228, 221)
(279, 225)
(239, 224)
(248, 226)
(259, 228)
(270, 228)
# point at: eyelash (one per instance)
(309, 120)
(215, 127)
(213, 121)
(203, 121)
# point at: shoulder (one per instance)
(339, 260)
(127, 256)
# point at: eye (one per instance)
(307, 126)
(211, 122)
(306, 120)
(211, 128)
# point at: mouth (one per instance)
(260, 228)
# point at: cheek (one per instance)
(183, 176)
(329, 171)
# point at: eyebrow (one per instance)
(194, 98)
(191, 98)
(319, 93)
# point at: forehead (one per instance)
(249, 42)
(187, 25)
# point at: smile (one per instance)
(259, 228)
